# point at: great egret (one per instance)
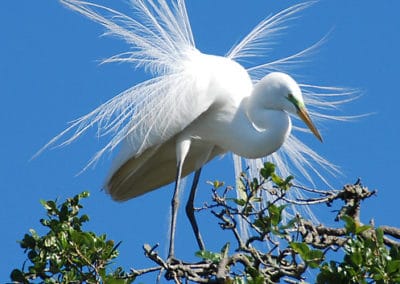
(196, 106)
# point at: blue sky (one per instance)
(50, 74)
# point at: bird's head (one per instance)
(280, 91)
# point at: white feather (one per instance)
(161, 42)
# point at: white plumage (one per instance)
(197, 106)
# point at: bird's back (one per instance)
(217, 87)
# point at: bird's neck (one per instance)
(269, 129)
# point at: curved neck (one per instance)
(266, 130)
(249, 131)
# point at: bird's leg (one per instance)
(190, 210)
(174, 211)
(182, 149)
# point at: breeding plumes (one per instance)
(197, 106)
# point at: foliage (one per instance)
(366, 260)
(277, 249)
(67, 254)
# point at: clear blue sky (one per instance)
(50, 74)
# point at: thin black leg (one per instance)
(190, 210)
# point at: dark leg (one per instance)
(190, 210)
(174, 211)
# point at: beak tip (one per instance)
(318, 136)
(306, 118)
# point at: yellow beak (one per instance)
(302, 113)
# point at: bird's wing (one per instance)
(155, 110)
(155, 167)
(170, 103)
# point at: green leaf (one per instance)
(263, 223)
(267, 170)
(84, 218)
(393, 266)
(277, 179)
(217, 184)
(288, 180)
(379, 235)
(17, 276)
(208, 255)
(49, 241)
(254, 276)
(28, 242)
(361, 229)
(240, 202)
(259, 279)
(289, 224)
(255, 199)
(113, 280)
(32, 255)
(44, 203)
(50, 205)
(314, 258)
(254, 184)
(356, 258)
(350, 224)
(275, 213)
(301, 248)
(84, 194)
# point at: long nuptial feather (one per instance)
(161, 42)
(294, 157)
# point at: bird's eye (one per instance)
(293, 100)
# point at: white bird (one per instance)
(196, 106)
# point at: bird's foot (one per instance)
(171, 260)
(172, 271)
